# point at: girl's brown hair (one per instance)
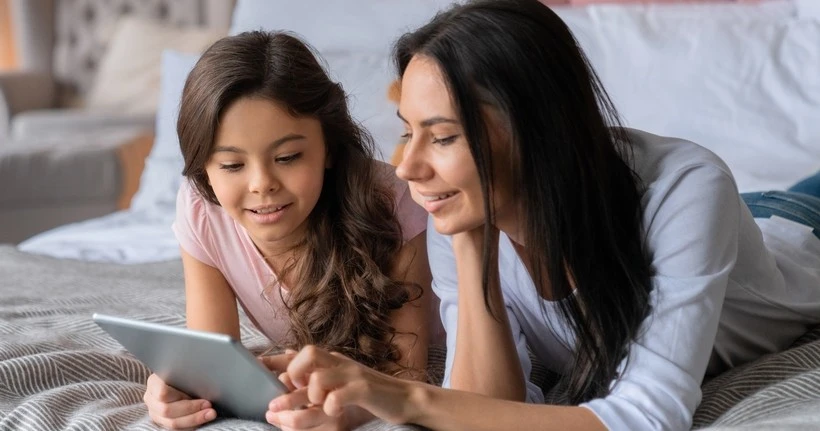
(341, 298)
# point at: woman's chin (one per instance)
(453, 225)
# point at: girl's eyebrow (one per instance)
(287, 138)
(430, 121)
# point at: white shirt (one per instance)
(723, 279)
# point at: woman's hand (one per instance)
(470, 243)
(172, 409)
(278, 364)
(335, 385)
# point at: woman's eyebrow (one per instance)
(431, 121)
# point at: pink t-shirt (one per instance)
(209, 234)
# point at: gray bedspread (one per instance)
(58, 370)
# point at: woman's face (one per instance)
(267, 170)
(437, 163)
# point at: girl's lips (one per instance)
(269, 218)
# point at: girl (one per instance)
(625, 261)
(285, 212)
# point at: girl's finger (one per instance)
(291, 401)
(308, 418)
(157, 389)
(189, 421)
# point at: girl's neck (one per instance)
(280, 255)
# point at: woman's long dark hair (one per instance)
(342, 297)
(580, 198)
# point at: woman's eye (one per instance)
(445, 141)
(288, 159)
(233, 167)
(405, 137)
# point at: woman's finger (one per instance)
(308, 359)
(285, 379)
(277, 363)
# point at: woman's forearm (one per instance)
(486, 361)
(449, 410)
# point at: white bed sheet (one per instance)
(128, 237)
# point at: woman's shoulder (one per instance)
(661, 161)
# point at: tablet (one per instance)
(204, 365)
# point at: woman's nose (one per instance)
(413, 165)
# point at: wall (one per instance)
(7, 59)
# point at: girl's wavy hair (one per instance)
(342, 298)
(570, 162)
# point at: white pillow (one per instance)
(163, 168)
(749, 91)
(808, 9)
(128, 78)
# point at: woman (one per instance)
(625, 261)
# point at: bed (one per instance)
(59, 371)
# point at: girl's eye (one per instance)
(405, 137)
(288, 159)
(445, 141)
(231, 167)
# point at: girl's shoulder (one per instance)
(411, 216)
(203, 228)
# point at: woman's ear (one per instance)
(328, 162)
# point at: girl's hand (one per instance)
(172, 409)
(293, 412)
(334, 383)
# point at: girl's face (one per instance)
(437, 162)
(267, 170)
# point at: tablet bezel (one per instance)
(206, 365)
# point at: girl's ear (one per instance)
(328, 162)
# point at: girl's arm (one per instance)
(210, 304)
(412, 321)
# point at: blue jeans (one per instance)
(800, 203)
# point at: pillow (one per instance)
(809, 9)
(163, 168)
(129, 73)
(749, 90)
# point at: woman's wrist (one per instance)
(419, 401)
